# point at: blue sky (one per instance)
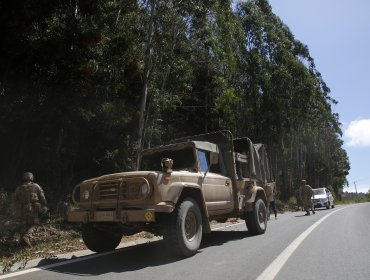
(337, 33)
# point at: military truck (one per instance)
(178, 189)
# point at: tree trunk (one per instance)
(144, 92)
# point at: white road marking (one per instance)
(273, 269)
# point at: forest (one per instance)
(85, 85)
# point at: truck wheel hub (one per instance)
(190, 226)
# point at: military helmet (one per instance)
(27, 177)
(303, 181)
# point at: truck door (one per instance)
(217, 188)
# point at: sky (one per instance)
(337, 33)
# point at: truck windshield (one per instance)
(183, 159)
(203, 161)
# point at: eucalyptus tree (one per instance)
(193, 59)
(69, 77)
(289, 103)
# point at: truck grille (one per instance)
(119, 190)
(108, 191)
(130, 192)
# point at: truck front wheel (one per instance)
(183, 233)
(256, 220)
(98, 240)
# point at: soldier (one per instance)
(30, 203)
(270, 194)
(305, 193)
(299, 201)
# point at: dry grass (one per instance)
(48, 240)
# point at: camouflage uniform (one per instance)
(299, 201)
(270, 191)
(305, 193)
(29, 202)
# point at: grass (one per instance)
(48, 240)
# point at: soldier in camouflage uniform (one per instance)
(305, 193)
(30, 203)
(270, 191)
(299, 201)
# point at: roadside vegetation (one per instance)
(348, 198)
(48, 239)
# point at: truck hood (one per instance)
(114, 176)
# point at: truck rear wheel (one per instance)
(183, 233)
(256, 220)
(98, 240)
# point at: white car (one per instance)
(323, 198)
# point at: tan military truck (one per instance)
(178, 190)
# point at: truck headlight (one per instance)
(145, 189)
(85, 194)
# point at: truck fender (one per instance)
(256, 192)
(194, 191)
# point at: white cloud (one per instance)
(358, 133)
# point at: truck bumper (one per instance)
(124, 216)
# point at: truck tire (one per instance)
(98, 240)
(256, 220)
(183, 233)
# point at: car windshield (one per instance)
(319, 191)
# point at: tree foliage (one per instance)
(73, 75)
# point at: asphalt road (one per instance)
(332, 244)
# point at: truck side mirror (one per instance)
(166, 164)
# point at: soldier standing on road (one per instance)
(30, 203)
(271, 193)
(305, 193)
(299, 201)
